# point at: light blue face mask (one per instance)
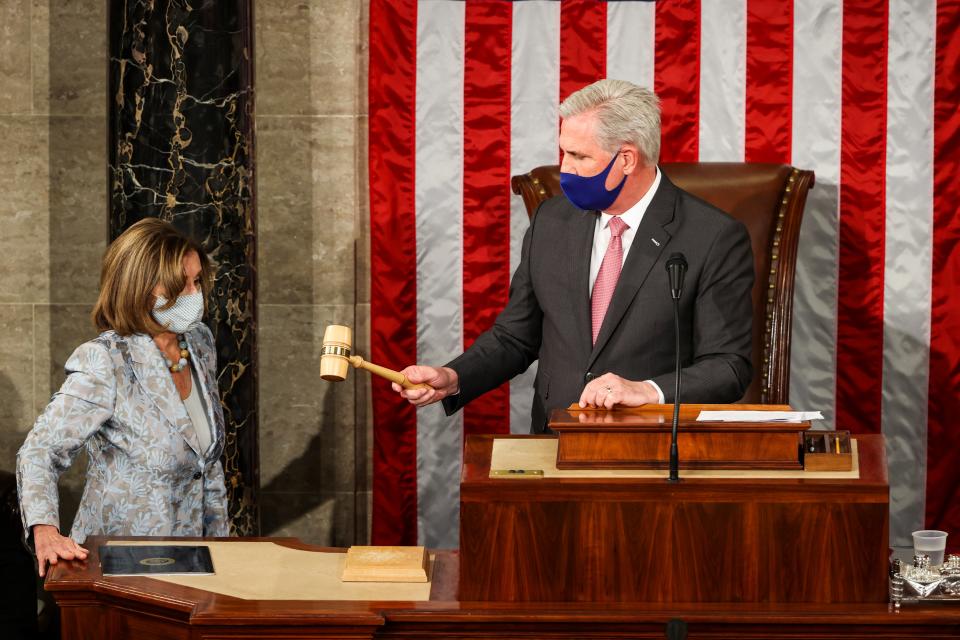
(187, 310)
(590, 193)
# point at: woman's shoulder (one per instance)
(103, 344)
(94, 354)
(98, 345)
(108, 344)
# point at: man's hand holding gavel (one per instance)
(442, 380)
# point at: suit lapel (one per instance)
(150, 371)
(584, 227)
(649, 242)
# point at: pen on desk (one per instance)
(836, 441)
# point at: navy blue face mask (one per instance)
(590, 194)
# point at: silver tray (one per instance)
(922, 583)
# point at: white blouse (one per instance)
(198, 413)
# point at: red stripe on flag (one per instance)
(863, 131)
(486, 192)
(583, 44)
(676, 68)
(769, 90)
(943, 459)
(393, 291)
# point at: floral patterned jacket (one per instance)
(146, 474)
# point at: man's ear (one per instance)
(631, 156)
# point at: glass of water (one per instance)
(932, 543)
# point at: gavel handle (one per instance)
(389, 374)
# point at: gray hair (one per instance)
(625, 113)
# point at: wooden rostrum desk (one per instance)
(97, 608)
(576, 558)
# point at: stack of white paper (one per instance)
(758, 416)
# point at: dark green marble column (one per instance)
(181, 148)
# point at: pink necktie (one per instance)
(607, 277)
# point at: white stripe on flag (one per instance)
(439, 204)
(909, 242)
(630, 42)
(535, 87)
(817, 39)
(723, 80)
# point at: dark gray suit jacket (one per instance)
(548, 314)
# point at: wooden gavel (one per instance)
(336, 358)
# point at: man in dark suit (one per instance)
(591, 298)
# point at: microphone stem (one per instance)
(674, 453)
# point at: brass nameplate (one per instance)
(516, 473)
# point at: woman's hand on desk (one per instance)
(51, 546)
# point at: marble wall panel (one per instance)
(312, 192)
(363, 406)
(58, 329)
(307, 190)
(181, 149)
(306, 433)
(363, 423)
(363, 212)
(307, 57)
(78, 204)
(69, 56)
(53, 183)
(14, 57)
(17, 363)
(24, 209)
(363, 516)
(320, 518)
(363, 59)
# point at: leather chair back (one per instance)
(769, 200)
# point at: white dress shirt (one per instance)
(601, 240)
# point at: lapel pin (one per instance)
(654, 241)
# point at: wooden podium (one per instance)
(608, 537)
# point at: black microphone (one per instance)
(676, 269)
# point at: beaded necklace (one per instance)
(181, 364)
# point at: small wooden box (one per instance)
(639, 438)
(385, 564)
(826, 451)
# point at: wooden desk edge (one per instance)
(192, 606)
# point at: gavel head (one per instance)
(337, 342)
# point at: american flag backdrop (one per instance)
(462, 95)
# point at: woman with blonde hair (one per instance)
(142, 399)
